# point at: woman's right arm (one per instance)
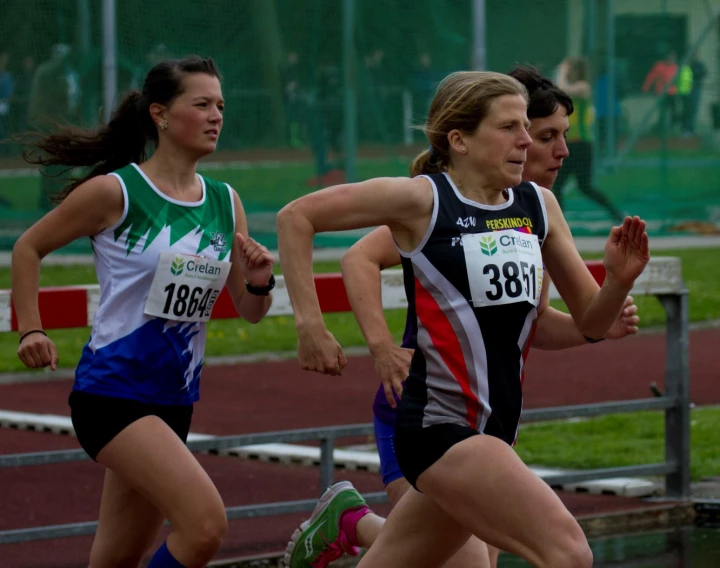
(361, 266)
(405, 205)
(87, 210)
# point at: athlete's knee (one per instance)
(204, 535)
(577, 555)
(573, 551)
(210, 533)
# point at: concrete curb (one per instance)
(637, 520)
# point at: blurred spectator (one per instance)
(603, 106)
(330, 93)
(661, 77)
(157, 53)
(6, 93)
(54, 100)
(55, 92)
(293, 100)
(375, 65)
(21, 98)
(699, 73)
(325, 125)
(573, 78)
(425, 81)
(375, 98)
(684, 83)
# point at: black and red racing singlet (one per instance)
(474, 283)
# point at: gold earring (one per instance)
(163, 124)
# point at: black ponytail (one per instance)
(104, 149)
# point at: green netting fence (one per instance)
(321, 91)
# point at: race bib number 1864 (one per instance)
(185, 287)
(504, 267)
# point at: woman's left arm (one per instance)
(594, 308)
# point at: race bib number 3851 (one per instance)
(504, 267)
(185, 287)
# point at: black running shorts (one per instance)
(98, 419)
(419, 448)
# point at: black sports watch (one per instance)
(261, 290)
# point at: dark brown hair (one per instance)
(545, 96)
(125, 137)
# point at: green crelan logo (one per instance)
(177, 266)
(488, 246)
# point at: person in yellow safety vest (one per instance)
(684, 88)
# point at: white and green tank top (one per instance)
(177, 250)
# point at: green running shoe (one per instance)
(320, 540)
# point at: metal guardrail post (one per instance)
(680, 543)
(677, 385)
(327, 462)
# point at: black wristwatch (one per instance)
(261, 290)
